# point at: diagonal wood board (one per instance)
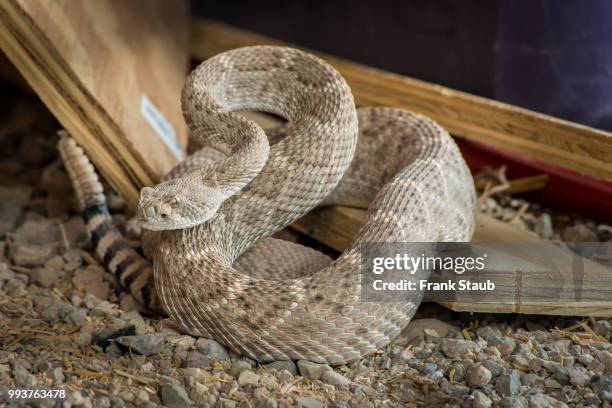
(96, 65)
(515, 293)
(566, 144)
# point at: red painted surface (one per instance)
(566, 190)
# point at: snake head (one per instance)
(178, 204)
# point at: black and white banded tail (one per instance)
(133, 271)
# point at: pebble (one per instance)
(603, 328)
(508, 384)
(146, 345)
(247, 377)
(514, 402)
(579, 233)
(310, 370)
(309, 402)
(480, 400)
(45, 277)
(415, 332)
(12, 202)
(15, 287)
(103, 338)
(195, 359)
(211, 349)
(91, 280)
(175, 395)
(283, 365)
(57, 375)
(263, 400)
(578, 376)
(239, 366)
(478, 376)
(457, 348)
(545, 401)
(334, 378)
(543, 226)
(505, 345)
(495, 368)
(226, 403)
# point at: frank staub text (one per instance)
(406, 267)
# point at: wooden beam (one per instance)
(93, 64)
(486, 121)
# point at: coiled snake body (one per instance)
(217, 271)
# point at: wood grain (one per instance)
(532, 134)
(91, 62)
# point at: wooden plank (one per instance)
(337, 226)
(486, 121)
(91, 63)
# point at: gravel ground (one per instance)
(64, 324)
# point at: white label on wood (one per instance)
(160, 125)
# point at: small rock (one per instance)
(579, 233)
(226, 403)
(15, 288)
(46, 277)
(5, 272)
(505, 345)
(415, 332)
(57, 375)
(602, 328)
(310, 370)
(12, 202)
(103, 338)
(90, 280)
(309, 402)
(480, 400)
(285, 376)
(211, 349)
(30, 255)
(195, 359)
(247, 377)
(238, 367)
(514, 402)
(141, 397)
(508, 384)
(478, 376)
(283, 365)
(543, 226)
(146, 345)
(134, 318)
(77, 317)
(457, 348)
(545, 401)
(262, 400)
(486, 332)
(84, 337)
(175, 395)
(102, 402)
(495, 368)
(551, 383)
(591, 399)
(334, 378)
(562, 375)
(578, 376)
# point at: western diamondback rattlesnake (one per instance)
(216, 270)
